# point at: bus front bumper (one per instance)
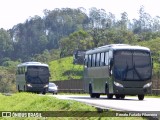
(142, 88)
(37, 88)
(131, 91)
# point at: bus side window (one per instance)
(90, 61)
(110, 54)
(97, 59)
(106, 58)
(19, 70)
(93, 60)
(23, 70)
(86, 60)
(102, 59)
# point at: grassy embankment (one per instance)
(64, 69)
(7, 80)
(33, 102)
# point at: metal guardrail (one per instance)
(155, 91)
(71, 90)
(76, 86)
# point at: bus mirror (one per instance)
(26, 73)
(110, 54)
(111, 62)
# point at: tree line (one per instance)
(61, 31)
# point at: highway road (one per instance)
(148, 105)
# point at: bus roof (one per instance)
(32, 64)
(117, 47)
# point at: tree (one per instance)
(77, 40)
(110, 20)
(6, 46)
(62, 22)
(45, 57)
(124, 21)
(98, 18)
(156, 24)
(144, 19)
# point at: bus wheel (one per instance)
(92, 95)
(97, 95)
(140, 97)
(24, 88)
(109, 96)
(44, 92)
(19, 89)
(117, 96)
(122, 96)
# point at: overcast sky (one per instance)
(13, 12)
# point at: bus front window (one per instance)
(132, 65)
(37, 74)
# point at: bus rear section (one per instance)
(35, 78)
(78, 57)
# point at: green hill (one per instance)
(64, 69)
(154, 45)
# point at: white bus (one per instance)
(118, 69)
(32, 77)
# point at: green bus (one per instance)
(118, 69)
(32, 77)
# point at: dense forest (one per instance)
(61, 31)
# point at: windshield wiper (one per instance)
(134, 68)
(126, 69)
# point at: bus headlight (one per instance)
(118, 84)
(46, 86)
(29, 85)
(147, 85)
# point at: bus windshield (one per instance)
(132, 65)
(37, 74)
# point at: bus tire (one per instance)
(44, 91)
(117, 96)
(19, 89)
(92, 95)
(97, 95)
(106, 89)
(122, 96)
(109, 96)
(24, 89)
(140, 97)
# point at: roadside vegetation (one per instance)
(36, 103)
(64, 69)
(7, 80)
